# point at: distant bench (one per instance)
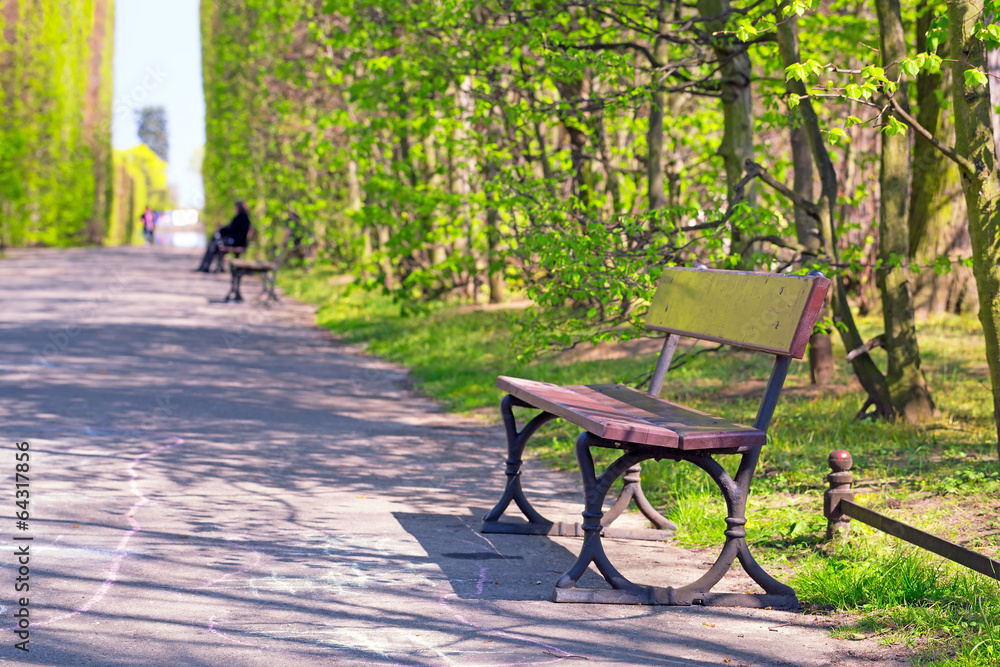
(766, 313)
(267, 270)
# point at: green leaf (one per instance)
(795, 71)
(893, 127)
(873, 72)
(746, 31)
(838, 136)
(797, 7)
(976, 77)
(910, 67)
(937, 33)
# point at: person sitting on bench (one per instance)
(233, 234)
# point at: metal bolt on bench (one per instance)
(767, 313)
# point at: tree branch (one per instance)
(600, 46)
(809, 207)
(948, 151)
(739, 193)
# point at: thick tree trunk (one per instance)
(737, 107)
(864, 367)
(937, 208)
(607, 161)
(495, 268)
(908, 390)
(654, 136)
(974, 141)
(821, 366)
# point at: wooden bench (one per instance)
(268, 271)
(767, 313)
(235, 250)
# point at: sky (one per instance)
(158, 62)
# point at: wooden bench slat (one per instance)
(250, 265)
(697, 429)
(619, 413)
(759, 311)
(594, 416)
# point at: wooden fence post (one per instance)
(838, 524)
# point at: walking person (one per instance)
(148, 219)
(233, 234)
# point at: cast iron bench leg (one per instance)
(539, 525)
(270, 283)
(632, 491)
(776, 594)
(516, 440)
(234, 286)
(592, 551)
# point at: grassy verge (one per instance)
(942, 477)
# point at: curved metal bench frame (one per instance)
(760, 312)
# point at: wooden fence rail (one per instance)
(839, 508)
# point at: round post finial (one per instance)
(840, 480)
(840, 460)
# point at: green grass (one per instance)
(943, 476)
(905, 596)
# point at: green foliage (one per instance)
(449, 149)
(55, 108)
(443, 149)
(140, 180)
(265, 137)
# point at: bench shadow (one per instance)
(493, 566)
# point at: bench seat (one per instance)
(622, 414)
(249, 266)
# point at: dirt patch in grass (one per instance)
(754, 389)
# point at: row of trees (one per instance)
(60, 181)
(139, 180)
(575, 147)
(55, 114)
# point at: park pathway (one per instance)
(217, 484)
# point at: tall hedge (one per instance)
(55, 121)
(265, 138)
(139, 180)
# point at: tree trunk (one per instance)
(937, 214)
(495, 265)
(737, 108)
(654, 136)
(908, 390)
(974, 141)
(607, 161)
(864, 367)
(821, 365)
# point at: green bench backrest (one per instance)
(758, 311)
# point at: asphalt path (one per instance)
(219, 484)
